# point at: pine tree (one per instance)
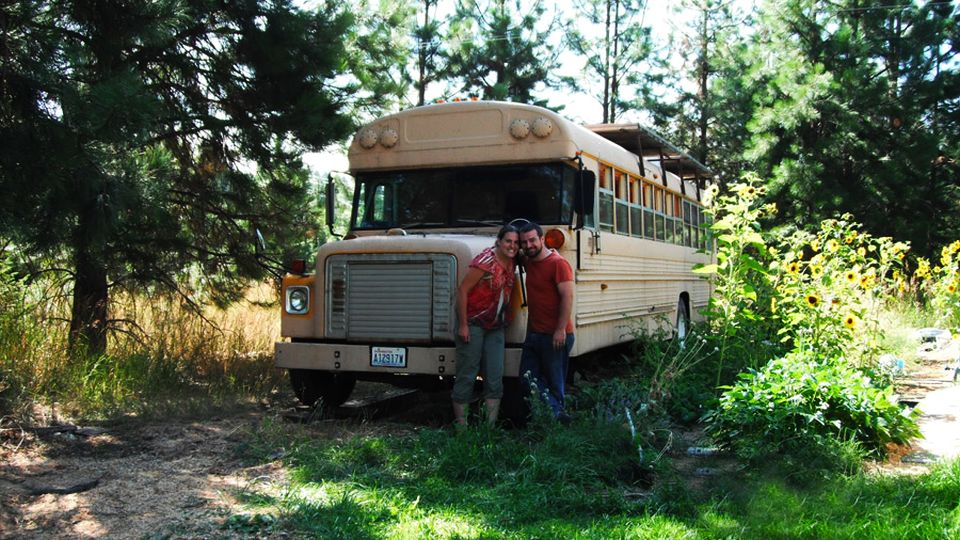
(856, 112)
(145, 138)
(500, 52)
(427, 36)
(711, 105)
(623, 60)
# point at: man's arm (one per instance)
(565, 288)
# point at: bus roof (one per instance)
(482, 132)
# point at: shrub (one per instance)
(800, 401)
(830, 287)
(942, 285)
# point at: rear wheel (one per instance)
(310, 385)
(682, 328)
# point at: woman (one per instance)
(483, 301)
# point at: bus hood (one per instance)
(462, 246)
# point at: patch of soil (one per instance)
(177, 479)
(140, 480)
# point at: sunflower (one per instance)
(815, 245)
(850, 321)
(816, 270)
(851, 276)
(861, 252)
(812, 300)
(832, 245)
(951, 288)
(793, 267)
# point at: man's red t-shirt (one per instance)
(543, 298)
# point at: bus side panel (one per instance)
(631, 285)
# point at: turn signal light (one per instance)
(554, 239)
(298, 266)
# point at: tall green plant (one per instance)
(943, 286)
(740, 277)
(831, 286)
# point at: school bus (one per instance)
(433, 184)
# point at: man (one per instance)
(546, 349)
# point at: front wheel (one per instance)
(310, 385)
(515, 405)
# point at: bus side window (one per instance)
(648, 211)
(606, 198)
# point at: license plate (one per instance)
(395, 357)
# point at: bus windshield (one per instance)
(464, 197)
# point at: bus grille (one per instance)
(390, 297)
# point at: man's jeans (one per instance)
(546, 367)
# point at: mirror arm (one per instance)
(273, 266)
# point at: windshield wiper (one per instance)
(416, 224)
(493, 222)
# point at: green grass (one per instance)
(580, 481)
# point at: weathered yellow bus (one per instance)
(433, 185)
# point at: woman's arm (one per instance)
(474, 275)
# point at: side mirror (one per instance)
(584, 195)
(261, 244)
(331, 201)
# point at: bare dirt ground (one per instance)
(174, 479)
(183, 478)
(148, 479)
(933, 384)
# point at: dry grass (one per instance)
(163, 356)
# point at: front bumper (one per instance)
(356, 359)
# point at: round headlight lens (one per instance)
(298, 299)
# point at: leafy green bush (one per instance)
(798, 401)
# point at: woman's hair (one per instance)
(507, 229)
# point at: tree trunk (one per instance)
(422, 58)
(606, 68)
(615, 78)
(702, 91)
(88, 322)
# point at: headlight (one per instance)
(298, 300)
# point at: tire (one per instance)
(311, 385)
(514, 407)
(682, 328)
